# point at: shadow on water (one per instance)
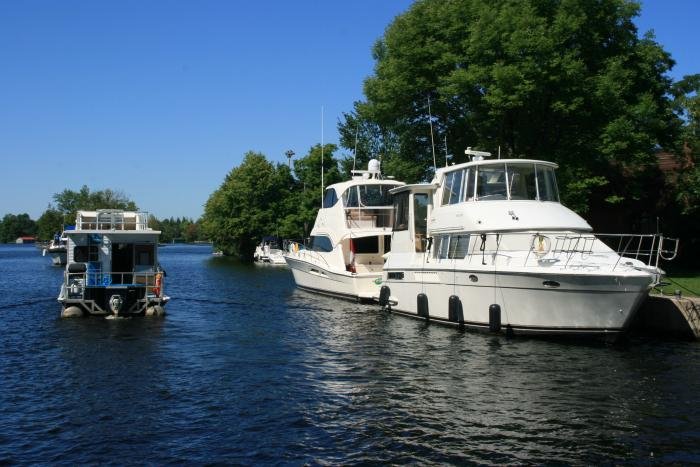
(246, 369)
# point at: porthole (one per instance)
(551, 284)
(473, 278)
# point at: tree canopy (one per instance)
(568, 81)
(260, 198)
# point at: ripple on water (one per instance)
(245, 369)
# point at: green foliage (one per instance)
(50, 222)
(259, 198)
(177, 230)
(562, 80)
(16, 225)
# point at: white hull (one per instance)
(582, 304)
(311, 276)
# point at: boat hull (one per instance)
(311, 276)
(530, 303)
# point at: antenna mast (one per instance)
(432, 141)
(322, 156)
(354, 156)
(445, 150)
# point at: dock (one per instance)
(669, 315)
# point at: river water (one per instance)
(245, 369)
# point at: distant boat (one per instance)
(56, 249)
(270, 251)
(112, 266)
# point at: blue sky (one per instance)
(160, 99)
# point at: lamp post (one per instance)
(289, 155)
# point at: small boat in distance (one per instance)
(112, 266)
(270, 251)
(487, 245)
(351, 234)
(56, 249)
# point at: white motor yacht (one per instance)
(351, 234)
(112, 266)
(56, 250)
(270, 251)
(488, 245)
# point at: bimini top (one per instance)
(112, 220)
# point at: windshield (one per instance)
(516, 182)
(367, 196)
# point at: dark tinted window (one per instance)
(401, 208)
(321, 243)
(330, 199)
(366, 244)
(84, 254)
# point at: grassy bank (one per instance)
(688, 282)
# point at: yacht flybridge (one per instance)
(112, 266)
(488, 245)
(351, 234)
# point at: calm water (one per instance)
(245, 369)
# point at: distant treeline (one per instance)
(62, 211)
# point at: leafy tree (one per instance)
(50, 222)
(69, 202)
(561, 80)
(16, 225)
(246, 205)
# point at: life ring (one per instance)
(541, 245)
(158, 283)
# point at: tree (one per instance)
(50, 222)
(69, 202)
(246, 205)
(561, 80)
(13, 226)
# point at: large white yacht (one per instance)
(112, 266)
(351, 234)
(488, 245)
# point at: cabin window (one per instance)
(453, 246)
(420, 220)
(452, 188)
(491, 183)
(350, 198)
(401, 208)
(85, 254)
(375, 195)
(469, 185)
(366, 245)
(144, 255)
(547, 184)
(521, 181)
(321, 243)
(330, 199)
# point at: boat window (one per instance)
(375, 195)
(401, 208)
(144, 255)
(521, 181)
(350, 197)
(85, 253)
(453, 246)
(547, 184)
(459, 245)
(469, 185)
(321, 243)
(491, 183)
(366, 245)
(331, 198)
(420, 220)
(452, 187)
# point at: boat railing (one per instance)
(572, 250)
(112, 219)
(299, 250)
(369, 217)
(78, 282)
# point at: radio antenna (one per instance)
(432, 140)
(322, 156)
(354, 157)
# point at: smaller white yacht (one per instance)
(56, 249)
(112, 266)
(270, 251)
(351, 234)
